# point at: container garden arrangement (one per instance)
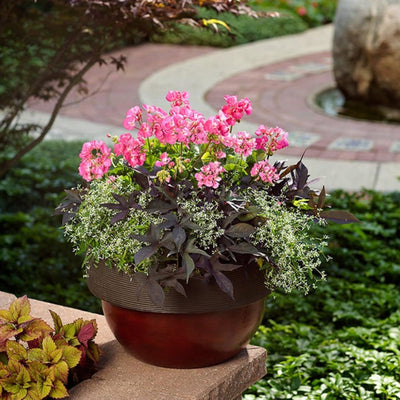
(187, 226)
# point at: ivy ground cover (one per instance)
(342, 341)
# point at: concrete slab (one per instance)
(388, 177)
(122, 377)
(125, 378)
(6, 299)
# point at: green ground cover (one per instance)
(340, 342)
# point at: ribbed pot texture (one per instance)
(205, 328)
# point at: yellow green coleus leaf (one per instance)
(61, 371)
(93, 351)
(58, 390)
(20, 308)
(18, 382)
(5, 316)
(35, 329)
(71, 356)
(7, 331)
(15, 351)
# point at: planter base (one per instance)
(184, 340)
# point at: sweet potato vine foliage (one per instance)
(37, 361)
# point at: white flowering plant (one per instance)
(187, 197)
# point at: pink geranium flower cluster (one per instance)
(183, 141)
(209, 175)
(96, 160)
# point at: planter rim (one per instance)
(126, 291)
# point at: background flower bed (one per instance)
(341, 342)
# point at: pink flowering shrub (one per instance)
(182, 195)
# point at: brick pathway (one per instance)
(282, 95)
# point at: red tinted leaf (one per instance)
(86, 333)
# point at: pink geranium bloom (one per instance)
(131, 149)
(96, 161)
(209, 175)
(271, 139)
(265, 171)
(235, 109)
(164, 160)
(133, 115)
(244, 144)
(177, 98)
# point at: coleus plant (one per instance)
(187, 197)
(39, 362)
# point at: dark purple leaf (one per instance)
(243, 248)
(144, 253)
(156, 292)
(240, 230)
(87, 333)
(188, 265)
(160, 206)
(119, 217)
(179, 236)
(224, 283)
(339, 216)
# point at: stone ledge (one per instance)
(122, 377)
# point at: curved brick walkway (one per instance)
(282, 94)
(279, 76)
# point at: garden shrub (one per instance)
(35, 259)
(243, 29)
(312, 12)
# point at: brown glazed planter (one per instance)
(205, 328)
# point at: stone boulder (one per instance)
(366, 51)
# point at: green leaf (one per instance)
(43, 386)
(15, 350)
(57, 321)
(5, 316)
(20, 307)
(69, 331)
(61, 370)
(93, 351)
(58, 390)
(8, 331)
(71, 356)
(48, 345)
(34, 329)
(36, 354)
